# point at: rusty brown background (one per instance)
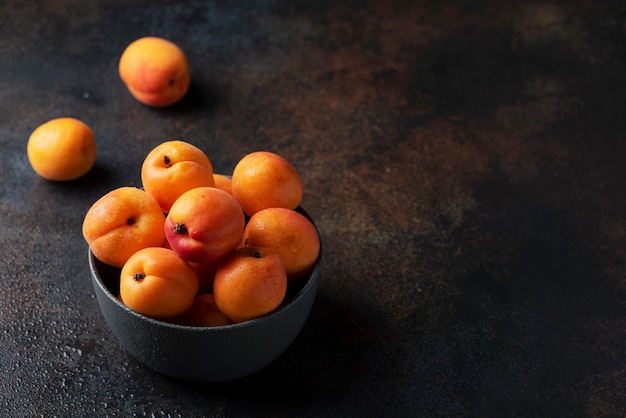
(464, 161)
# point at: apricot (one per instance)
(288, 233)
(62, 149)
(263, 180)
(174, 167)
(122, 222)
(206, 275)
(204, 224)
(155, 282)
(205, 313)
(249, 282)
(223, 182)
(155, 71)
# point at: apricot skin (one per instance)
(174, 167)
(62, 149)
(155, 71)
(204, 224)
(122, 222)
(157, 283)
(204, 313)
(223, 182)
(249, 282)
(262, 179)
(290, 234)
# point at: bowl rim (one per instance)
(310, 279)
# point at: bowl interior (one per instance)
(108, 277)
(210, 354)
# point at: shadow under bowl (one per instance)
(205, 354)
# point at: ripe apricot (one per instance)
(206, 275)
(263, 180)
(122, 222)
(204, 224)
(290, 234)
(155, 282)
(249, 282)
(223, 182)
(62, 149)
(205, 313)
(174, 167)
(155, 71)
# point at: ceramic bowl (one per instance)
(205, 354)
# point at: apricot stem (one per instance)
(130, 221)
(257, 254)
(139, 276)
(167, 161)
(180, 229)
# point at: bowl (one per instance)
(205, 354)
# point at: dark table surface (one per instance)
(464, 161)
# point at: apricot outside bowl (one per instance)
(204, 354)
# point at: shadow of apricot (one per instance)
(98, 179)
(202, 96)
(330, 353)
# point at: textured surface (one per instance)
(464, 161)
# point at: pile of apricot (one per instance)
(193, 247)
(200, 248)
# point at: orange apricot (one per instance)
(62, 149)
(206, 275)
(155, 282)
(155, 71)
(122, 222)
(290, 234)
(223, 182)
(205, 313)
(263, 180)
(204, 224)
(174, 167)
(249, 282)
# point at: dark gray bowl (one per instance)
(205, 354)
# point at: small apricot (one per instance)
(155, 282)
(206, 275)
(174, 167)
(290, 234)
(204, 224)
(62, 149)
(205, 313)
(122, 222)
(155, 71)
(249, 282)
(263, 180)
(223, 182)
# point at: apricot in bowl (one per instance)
(205, 354)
